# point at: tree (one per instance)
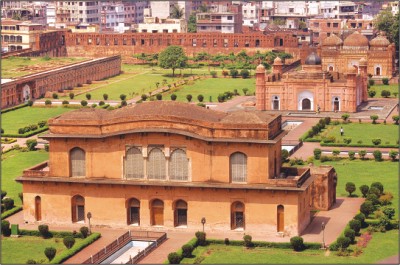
(105, 96)
(200, 98)
(245, 90)
(177, 12)
(367, 208)
(189, 97)
(88, 96)
(385, 21)
(385, 93)
(396, 119)
(31, 144)
(247, 241)
(50, 253)
(172, 57)
(371, 93)
(393, 154)
(245, 73)
(191, 26)
(68, 241)
(187, 250)
(374, 118)
(71, 95)
(350, 188)
(122, 96)
(345, 117)
(343, 242)
(364, 190)
(173, 97)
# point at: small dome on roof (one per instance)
(260, 68)
(356, 39)
(313, 59)
(379, 41)
(332, 40)
(351, 70)
(363, 62)
(277, 61)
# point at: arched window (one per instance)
(156, 164)
(38, 208)
(78, 209)
(237, 215)
(238, 167)
(180, 213)
(378, 71)
(77, 162)
(330, 68)
(134, 164)
(133, 212)
(336, 104)
(157, 212)
(178, 165)
(280, 218)
(275, 103)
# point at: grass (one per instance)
(366, 172)
(380, 247)
(13, 120)
(19, 250)
(18, 66)
(12, 165)
(137, 80)
(364, 132)
(392, 88)
(212, 87)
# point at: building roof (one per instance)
(313, 59)
(332, 40)
(379, 41)
(356, 39)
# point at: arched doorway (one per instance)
(378, 71)
(180, 213)
(336, 104)
(330, 68)
(157, 212)
(133, 212)
(275, 103)
(38, 208)
(306, 104)
(26, 92)
(237, 215)
(78, 209)
(280, 218)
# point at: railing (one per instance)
(122, 241)
(37, 170)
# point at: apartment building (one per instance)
(226, 19)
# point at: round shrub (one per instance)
(3, 194)
(5, 228)
(213, 74)
(377, 155)
(173, 97)
(377, 185)
(159, 97)
(21, 131)
(189, 97)
(44, 230)
(245, 73)
(187, 250)
(71, 95)
(374, 190)
(373, 198)
(317, 153)
(352, 155)
(94, 105)
(247, 241)
(84, 103)
(364, 190)
(84, 231)
(88, 96)
(55, 95)
(200, 98)
(31, 144)
(359, 217)
(69, 241)
(371, 93)
(124, 103)
(333, 247)
(47, 102)
(201, 238)
(350, 233)
(234, 73)
(122, 96)
(30, 103)
(297, 243)
(31, 261)
(105, 96)
(144, 97)
(174, 258)
(101, 103)
(350, 188)
(65, 102)
(366, 208)
(8, 203)
(50, 253)
(343, 242)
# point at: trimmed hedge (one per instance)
(57, 234)
(14, 108)
(11, 212)
(358, 145)
(28, 134)
(66, 254)
(376, 222)
(279, 245)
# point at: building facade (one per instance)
(312, 88)
(156, 25)
(225, 19)
(166, 165)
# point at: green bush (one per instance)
(371, 82)
(84, 231)
(334, 247)
(373, 198)
(42, 123)
(393, 155)
(343, 242)
(200, 98)
(247, 241)
(377, 155)
(187, 250)
(350, 233)
(173, 97)
(378, 186)
(84, 103)
(396, 119)
(362, 154)
(101, 103)
(234, 73)
(350, 188)
(201, 238)
(123, 103)
(366, 208)
(8, 203)
(325, 159)
(373, 118)
(335, 152)
(297, 243)
(44, 231)
(65, 102)
(94, 105)
(355, 224)
(245, 90)
(5, 228)
(352, 155)
(345, 117)
(284, 155)
(88, 96)
(3, 194)
(376, 141)
(371, 93)
(385, 81)
(55, 95)
(174, 258)
(317, 153)
(361, 218)
(69, 241)
(47, 102)
(50, 253)
(144, 97)
(213, 74)
(347, 140)
(385, 93)
(159, 97)
(189, 97)
(122, 96)
(30, 103)
(105, 96)
(31, 261)
(71, 95)
(245, 73)
(364, 190)
(31, 144)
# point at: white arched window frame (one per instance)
(78, 162)
(238, 167)
(134, 164)
(156, 165)
(178, 165)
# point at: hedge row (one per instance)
(280, 245)
(66, 254)
(57, 234)
(358, 145)
(11, 212)
(375, 223)
(28, 134)
(14, 108)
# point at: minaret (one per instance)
(260, 87)
(364, 75)
(278, 67)
(350, 101)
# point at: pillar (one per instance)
(260, 87)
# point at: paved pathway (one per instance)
(391, 260)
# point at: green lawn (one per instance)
(364, 132)
(366, 172)
(392, 88)
(13, 120)
(212, 87)
(12, 165)
(380, 247)
(19, 250)
(19, 66)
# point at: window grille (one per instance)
(78, 163)
(178, 166)
(156, 168)
(238, 167)
(134, 164)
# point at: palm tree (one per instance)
(177, 12)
